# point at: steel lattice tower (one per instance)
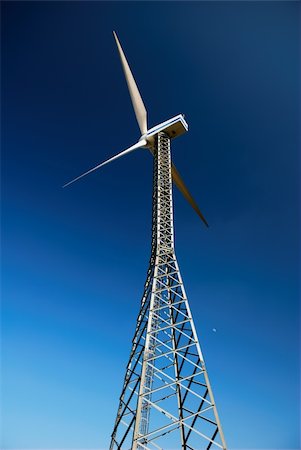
(166, 401)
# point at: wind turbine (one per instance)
(166, 400)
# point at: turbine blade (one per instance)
(183, 189)
(139, 144)
(137, 102)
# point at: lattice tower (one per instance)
(166, 400)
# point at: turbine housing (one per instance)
(173, 127)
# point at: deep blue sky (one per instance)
(74, 261)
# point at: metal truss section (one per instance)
(166, 401)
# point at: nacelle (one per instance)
(173, 127)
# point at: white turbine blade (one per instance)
(183, 189)
(138, 105)
(139, 144)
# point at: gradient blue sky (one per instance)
(74, 261)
